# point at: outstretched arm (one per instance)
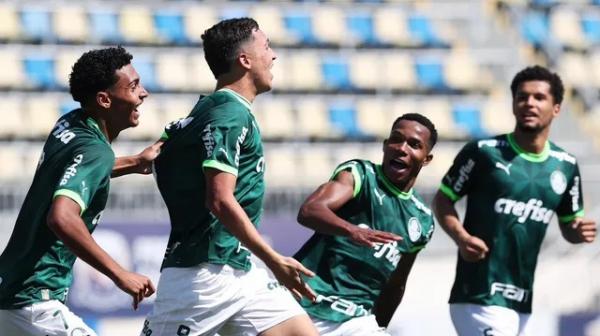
(222, 203)
(137, 164)
(580, 230)
(391, 295)
(318, 213)
(64, 220)
(471, 248)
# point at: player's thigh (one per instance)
(475, 320)
(270, 306)
(194, 301)
(364, 325)
(49, 318)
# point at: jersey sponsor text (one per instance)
(509, 291)
(533, 210)
(463, 176)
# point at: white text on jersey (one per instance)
(533, 210)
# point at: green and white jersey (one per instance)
(349, 277)
(512, 196)
(76, 162)
(219, 133)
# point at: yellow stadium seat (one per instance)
(41, 113)
(10, 28)
(172, 71)
(365, 70)
(275, 117)
(575, 69)
(305, 71)
(200, 76)
(390, 26)
(197, 19)
(497, 114)
(271, 22)
(137, 25)
(313, 119)
(438, 110)
(565, 26)
(150, 125)
(398, 71)
(12, 123)
(13, 75)
(64, 62)
(316, 165)
(329, 25)
(70, 23)
(281, 167)
(461, 71)
(372, 116)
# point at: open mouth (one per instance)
(398, 164)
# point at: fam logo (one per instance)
(414, 229)
(558, 181)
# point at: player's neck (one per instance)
(103, 126)
(532, 142)
(243, 86)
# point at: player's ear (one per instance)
(428, 159)
(244, 61)
(103, 99)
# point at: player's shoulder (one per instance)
(419, 203)
(362, 166)
(560, 154)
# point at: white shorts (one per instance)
(48, 318)
(358, 326)
(475, 320)
(207, 299)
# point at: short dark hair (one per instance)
(222, 41)
(423, 120)
(95, 71)
(539, 73)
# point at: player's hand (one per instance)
(368, 237)
(585, 230)
(288, 271)
(472, 249)
(136, 285)
(146, 157)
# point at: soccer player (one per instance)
(66, 199)
(515, 184)
(370, 225)
(210, 174)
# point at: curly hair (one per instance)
(423, 120)
(222, 41)
(539, 73)
(95, 71)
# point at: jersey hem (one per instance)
(354, 172)
(220, 166)
(72, 195)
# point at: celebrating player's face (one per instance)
(126, 95)
(534, 106)
(261, 56)
(405, 152)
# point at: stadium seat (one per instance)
(150, 124)
(13, 72)
(299, 24)
(137, 25)
(315, 166)
(566, 27)
(104, 26)
(145, 67)
(232, 12)
(438, 110)
(574, 69)
(594, 69)
(468, 117)
(40, 71)
(282, 74)
(169, 27)
(430, 73)
(398, 71)
(271, 22)
(496, 114)
(172, 71)
(329, 25)
(305, 71)
(360, 25)
(335, 73)
(10, 27)
(313, 119)
(40, 115)
(64, 61)
(68, 105)
(373, 116)
(11, 168)
(534, 28)
(12, 116)
(390, 27)
(282, 167)
(422, 31)
(36, 24)
(591, 28)
(197, 19)
(71, 23)
(276, 118)
(366, 70)
(201, 78)
(402, 106)
(342, 116)
(177, 107)
(462, 72)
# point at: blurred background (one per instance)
(345, 70)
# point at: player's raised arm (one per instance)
(318, 213)
(471, 248)
(222, 203)
(391, 295)
(140, 163)
(64, 220)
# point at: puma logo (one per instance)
(504, 167)
(379, 197)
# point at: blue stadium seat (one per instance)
(40, 71)
(335, 73)
(591, 28)
(67, 106)
(468, 116)
(105, 26)
(535, 28)
(430, 74)
(145, 68)
(36, 24)
(422, 31)
(342, 116)
(300, 25)
(232, 12)
(361, 26)
(169, 27)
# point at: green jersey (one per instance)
(512, 196)
(349, 277)
(219, 133)
(76, 162)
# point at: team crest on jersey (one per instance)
(558, 181)
(414, 229)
